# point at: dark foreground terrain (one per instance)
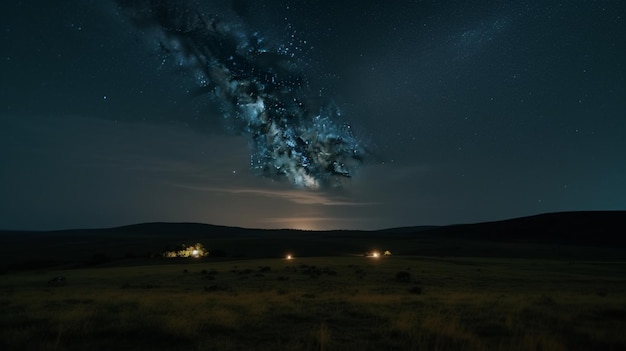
(535, 283)
(328, 303)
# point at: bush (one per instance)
(99, 258)
(416, 290)
(216, 288)
(403, 276)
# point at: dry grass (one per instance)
(340, 304)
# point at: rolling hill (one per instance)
(563, 235)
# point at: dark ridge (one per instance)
(408, 230)
(164, 228)
(598, 228)
(574, 228)
(592, 235)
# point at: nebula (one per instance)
(261, 89)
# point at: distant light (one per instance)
(194, 253)
(375, 254)
(289, 257)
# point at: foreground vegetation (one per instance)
(339, 303)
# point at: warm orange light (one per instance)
(289, 257)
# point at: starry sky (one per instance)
(465, 112)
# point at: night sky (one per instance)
(450, 112)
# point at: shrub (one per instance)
(215, 288)
(57, 281)
(403, 276)
(416, 290)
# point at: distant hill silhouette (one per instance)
(598, 228)
(586, 235)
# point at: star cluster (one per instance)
(262, 91)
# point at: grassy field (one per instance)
(330, 303)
